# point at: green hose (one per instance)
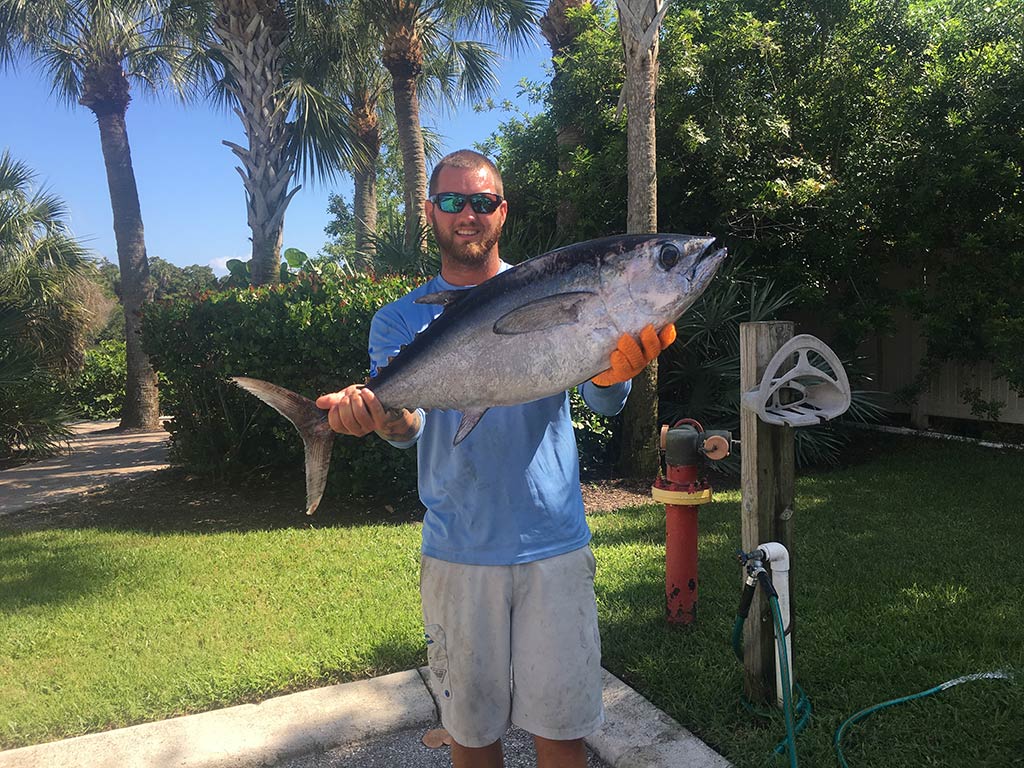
(787, 702)
(737, 636)
(803, 706)
(836, 741)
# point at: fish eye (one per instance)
(668, 257)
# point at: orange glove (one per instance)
(629, 358)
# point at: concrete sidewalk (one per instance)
(320, 727)
(98, 456)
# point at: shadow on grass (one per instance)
(171, 501)
(39, 572)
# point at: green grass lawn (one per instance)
(162, 598)
(166, 596)
(906, 573)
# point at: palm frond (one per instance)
(64, 66)
(193, 74)
(475, 64)
(68, 39)
(15, 176)
(767, 302)
(433, 143)
(42, 312)
(323, 141)
(512, 24)
(392, 256)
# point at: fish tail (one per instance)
(310, 421)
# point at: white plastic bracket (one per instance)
(803, 394)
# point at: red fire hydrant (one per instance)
(682, 492)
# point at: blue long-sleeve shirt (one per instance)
(510, 492)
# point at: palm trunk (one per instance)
(141, 408)
(365, 204)
(641, 144)
(252, 36)
(639, 448)
(414, 163)
(267, 240)
(365, 177)
(561, 36)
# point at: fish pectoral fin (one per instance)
(542, 314)
(470, 419)
(444, 298)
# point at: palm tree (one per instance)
(414, 31)
(362, 84)
(561, 33)
(272, 68)
(366, 125)
(639, 21)
(42, 315)
(358, 81)
(94, 51)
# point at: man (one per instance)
(507, 576)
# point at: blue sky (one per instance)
(193, 204)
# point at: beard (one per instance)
(467, 254)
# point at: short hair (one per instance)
(466, 159)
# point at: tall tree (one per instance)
(366, 124)
(561, 32)
(272, 68)
(94, 51)
(360, 81)
(413, 31)
(357, 79)
(639, 21)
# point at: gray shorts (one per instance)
(514, 644)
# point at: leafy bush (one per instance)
(308, 336)
(43, 316)
(99, 391)
(33, 418)
(594, 436)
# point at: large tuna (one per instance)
(532, 331)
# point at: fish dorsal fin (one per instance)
(542, 314)
(444, 298)
(469, 420)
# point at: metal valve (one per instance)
(717, 444)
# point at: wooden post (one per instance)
(768, 485)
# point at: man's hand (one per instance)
(630, 357)
(356, 411)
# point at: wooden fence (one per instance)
(894, 360)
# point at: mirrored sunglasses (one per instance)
(453, 202)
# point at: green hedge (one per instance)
(308, 336)
(98, 393)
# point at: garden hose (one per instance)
(838, 738)
(787, 694)
(803, 707)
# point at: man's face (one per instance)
(467, 237)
